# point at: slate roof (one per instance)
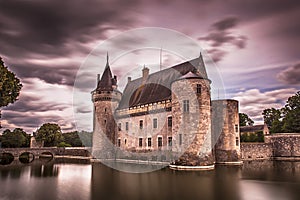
(254, 128)
(107, 81)
(157, 86)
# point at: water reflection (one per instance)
(65, 179)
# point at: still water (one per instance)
(67, 179)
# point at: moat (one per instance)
(75, 179)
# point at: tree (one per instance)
(245, 120)
(50, 134)
(14, 139)
(270, 115)
(286, 119)
(72, 138)
(10, 86)
(291, 121)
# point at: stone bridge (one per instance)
(49, 151)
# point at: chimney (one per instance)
(129, 79)
(98, 77)
(145, 73)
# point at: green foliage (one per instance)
(73, 139)
(50, 134)
(270, 115)
(10, 86)
(286, 119)
(253, 137)
(86, 138)
(63, 144)
(291, 121)
(245, 120)
(15, 139)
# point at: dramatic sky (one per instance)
(254, 43)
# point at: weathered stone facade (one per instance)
(256, 151)
(226, 130)
(276, 146)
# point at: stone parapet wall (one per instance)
(285, 144)
(256, 151)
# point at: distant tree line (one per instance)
(49, 133)
(285, 119)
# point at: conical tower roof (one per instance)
(106, 83)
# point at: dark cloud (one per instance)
(216, 54)
(30, 121)
(226, 23)
(254, 9)
(55, 27)
(52, 73)
(290, 75)
(221, 34)
(34, 104)
(84, 109)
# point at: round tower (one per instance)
(191, 112)
(226, 131)
(106, 99)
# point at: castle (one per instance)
(165, 116)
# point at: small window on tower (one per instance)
(105, 110)
(236, 128)
(127, 126)
(140, 142)
(169, 141)
(155, 123)
(141, 124)
(119, 127)
(149, 142)
(180, 139)
(169, 121)
(237, 141)
(119, 142)
(159, 141)
(198, 89)
(105, 121)
(186, 106)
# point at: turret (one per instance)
(106, 98)
(226, 131)
(191, 112)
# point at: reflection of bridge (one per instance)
(47, 151)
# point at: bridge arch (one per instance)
(6, 158)
(26, 157)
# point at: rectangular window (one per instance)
(119, 126)
(159, 141)
(141, 124)
(198, 89)
(237, 141)
(127, 126)
(169, 141)
(119, 142)
(155, 123)
(186, 106)
(236, 128)
(180, 139)
(140, 142)
(149, 142)
(169, 121)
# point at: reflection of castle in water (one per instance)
(169, 112)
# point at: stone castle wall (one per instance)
(256, 151)
(276, 146)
